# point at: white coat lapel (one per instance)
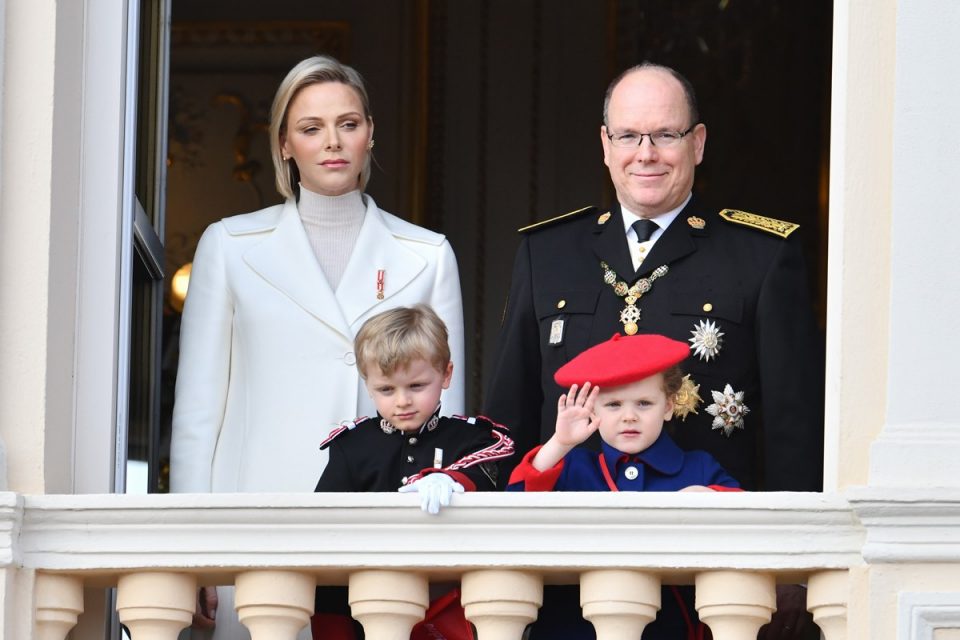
(286, 260)
(377, 249)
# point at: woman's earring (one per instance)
(370, 144)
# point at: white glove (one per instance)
(435, 491)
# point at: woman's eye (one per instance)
(349, 125)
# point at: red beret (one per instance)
(622, 360)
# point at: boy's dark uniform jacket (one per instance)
(750, 282)
(364, 457)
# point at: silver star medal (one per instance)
(707, 339)
(728, 410)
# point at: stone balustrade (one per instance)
(503, 548)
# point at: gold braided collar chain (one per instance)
(630, 315)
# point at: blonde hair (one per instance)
(314, 70)
(393, 339)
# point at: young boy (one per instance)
(624, 389)
(404, 360)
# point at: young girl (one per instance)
(624, 389)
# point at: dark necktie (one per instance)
(644, 229)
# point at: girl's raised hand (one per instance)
(576, 420)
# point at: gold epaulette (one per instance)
(770, 225)
(543, 223)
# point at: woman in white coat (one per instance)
(276, 296)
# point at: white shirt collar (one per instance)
(663, 220)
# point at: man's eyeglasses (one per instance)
(662, 139)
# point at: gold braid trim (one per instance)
(543, 223)
(770, 225)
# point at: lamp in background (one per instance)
(178, 286)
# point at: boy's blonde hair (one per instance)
(393, 339)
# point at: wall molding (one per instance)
(922, 613)
(908, 524)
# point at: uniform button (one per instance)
(349, 359)
(412, 441)
(643, 249)
(707, 307)
(410, 459)
(631, 473)
(561, 304)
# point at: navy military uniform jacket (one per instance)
(663, 466)
(367, 456)
(751, 284)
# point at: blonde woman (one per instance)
(276, 296)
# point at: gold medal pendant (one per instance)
(630, 315)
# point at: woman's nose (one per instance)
(333, 139)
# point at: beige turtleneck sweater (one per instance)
(332, 224)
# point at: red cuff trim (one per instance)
(468, 484)
(719, 487)
(531, 477)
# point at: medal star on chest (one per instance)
(707, 339)
(728, 410)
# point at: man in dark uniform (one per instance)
(730, 283)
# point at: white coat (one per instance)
(266, 347)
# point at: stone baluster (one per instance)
(274, 605)
(500, 604)
(827, 597)
(619, 603)
(735, 604)
(59, 602)
(156, 605)
(388, 603)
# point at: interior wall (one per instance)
(522, 103)
(222, 85)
